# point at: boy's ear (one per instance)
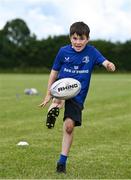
(88, 39)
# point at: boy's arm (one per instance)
(109, 66)
(52, 78)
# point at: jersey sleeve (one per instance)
(58, 61)
(99, 58)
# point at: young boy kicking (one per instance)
(76, 60)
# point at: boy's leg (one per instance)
(53, 112)
(68, 128)
(56, 103)
(72, 118)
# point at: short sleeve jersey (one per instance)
(78, 65)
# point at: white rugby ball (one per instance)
(65, 88)
(31, 91)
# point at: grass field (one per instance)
(101, 147)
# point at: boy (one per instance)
(76, 61)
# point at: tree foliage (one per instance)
(20, 49)
(17, 32)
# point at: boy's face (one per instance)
(78, 42)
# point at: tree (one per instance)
(15, 38)
(17, 32)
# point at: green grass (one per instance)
(101, 147)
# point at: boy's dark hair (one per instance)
(80, 28)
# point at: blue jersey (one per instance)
(78, 65)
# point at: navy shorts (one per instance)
(73, 110)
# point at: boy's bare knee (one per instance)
(69, 126)
(69, 130)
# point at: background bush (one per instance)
(20, 51)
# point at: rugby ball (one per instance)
(65, 88)
(31, 91)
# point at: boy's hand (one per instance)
(45, 101)
(109, 66)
